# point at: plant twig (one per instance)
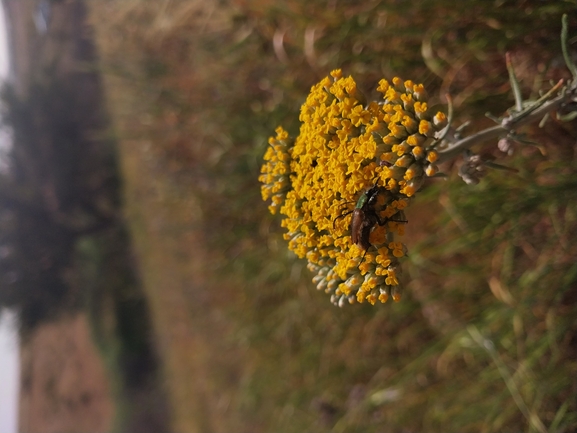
(532, 418)
(565, 48)
(512, 122)
(514, 83)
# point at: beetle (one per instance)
(365, 217)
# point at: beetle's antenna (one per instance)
(341, 216)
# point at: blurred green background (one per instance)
(152, 222)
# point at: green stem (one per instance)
(514, 83)
(531, 417)
(564, 47)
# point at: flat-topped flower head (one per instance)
(343, 184)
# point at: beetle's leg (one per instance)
(398, 221)
(363, 259)
(383, 221)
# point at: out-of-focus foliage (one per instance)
(196, 88)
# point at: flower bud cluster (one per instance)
(472, 169)
(346, 147)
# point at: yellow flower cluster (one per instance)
(320, 182)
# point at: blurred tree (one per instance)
(59, 186)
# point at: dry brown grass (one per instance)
(165, 211)
(247, 345)
(65, 386)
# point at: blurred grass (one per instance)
(484, 339)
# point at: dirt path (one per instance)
(64, 385)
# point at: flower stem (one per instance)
(510, 123)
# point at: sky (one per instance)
(9, 364)
(9, 373)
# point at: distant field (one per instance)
(484, 338)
